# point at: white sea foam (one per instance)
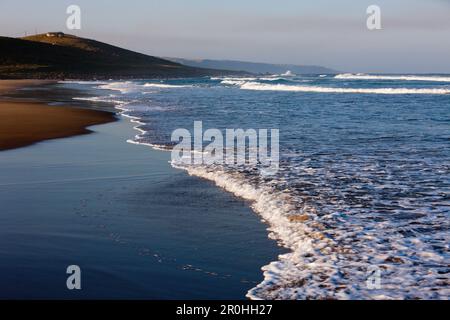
(233, 82)
(108, 99)
(241, 80)
(359, 76)
(288, 73)
(164, 85)
(326, 263)
(151, 145)
(129, 86)
(275, 209)
(271, 78)
(122, 86)
(83, 82)
(294, 88)
(234, 78)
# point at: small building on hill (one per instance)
(55, 34)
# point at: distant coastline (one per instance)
(62, 56)
(254, 67)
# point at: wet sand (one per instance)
(138, 228)
(11, 85)
(25, 122)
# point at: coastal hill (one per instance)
(62, 56)
(254, 67)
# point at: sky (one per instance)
(415, 34)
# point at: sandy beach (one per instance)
(26, 122)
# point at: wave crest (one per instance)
(293, 88)
(350, 76)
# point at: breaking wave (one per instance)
(165, 86)
(293, 88)
(359, 76)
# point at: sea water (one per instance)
(363, 187)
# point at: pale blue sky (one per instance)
(415, 35)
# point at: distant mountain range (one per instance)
(254, 67)
(60, 56)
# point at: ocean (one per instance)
(361, 199)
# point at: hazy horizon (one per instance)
(413, 39)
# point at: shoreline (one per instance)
(26, 122)
(96, 200)
(102, 203)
